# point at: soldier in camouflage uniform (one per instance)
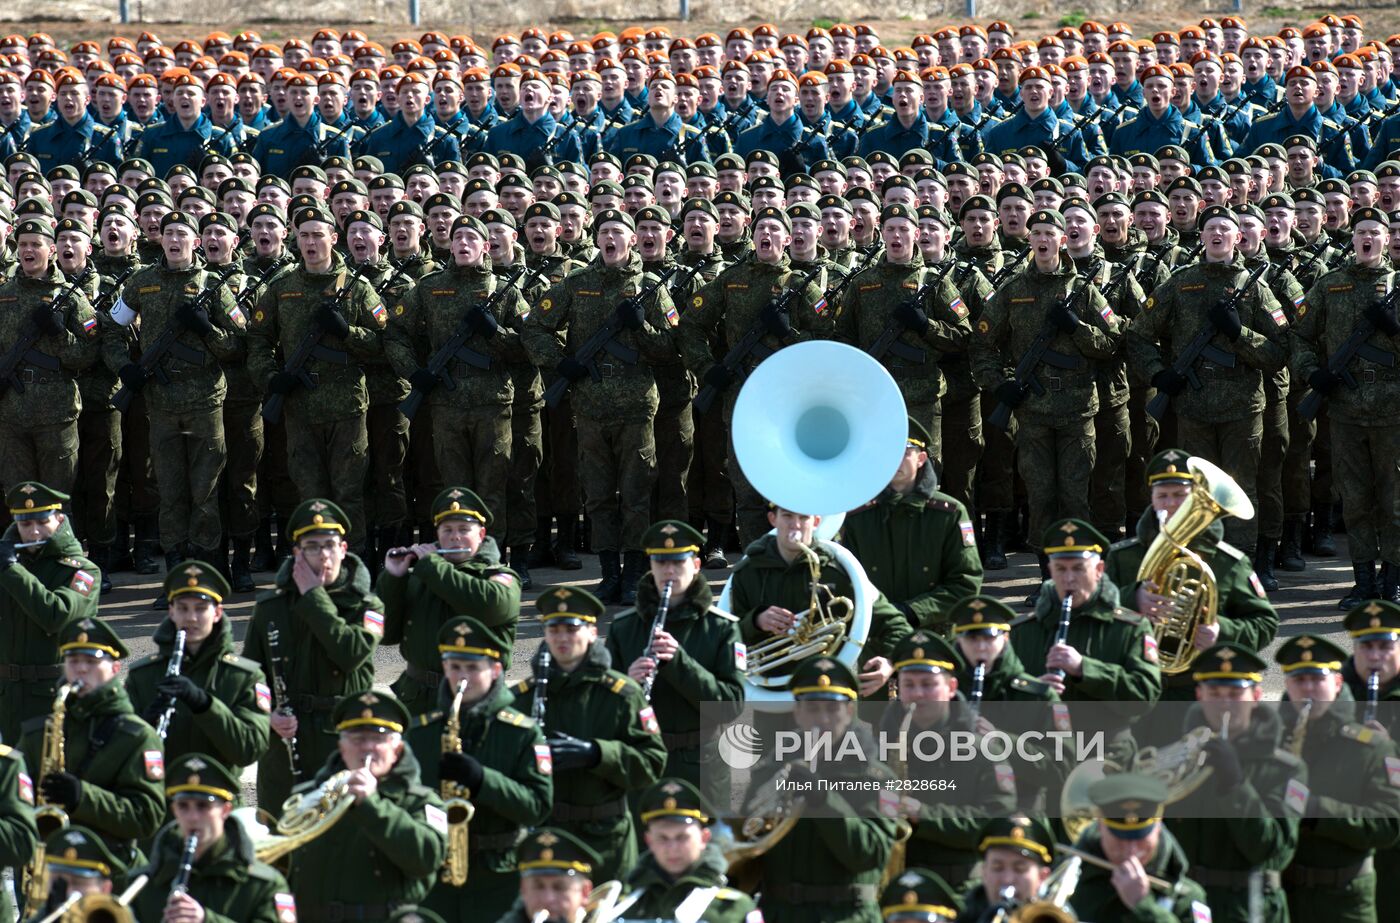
(39, 404)
(471, 421)
(1223, 421)
(617, 449)
(185, 400)
(327, 443)
(1055, 430)
(1364, 436)
(740, 299)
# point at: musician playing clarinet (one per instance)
(684, 653)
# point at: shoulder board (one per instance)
(837, 126)
(518, 719)
(1361, 734)
(727, 616)
(946, 506)
(135, 726)
(1284, 755)
(241, 662)
(617, 684)
(146, 661)
(265, 873)
(1226, 548)
(525, 685)
(1029, 685)
(1122, 544)
(689, 129)
(429, 718)
(439, 131)
(6, 750)
(1126, 615)
(72, 562)
(729, 894)
(1328, 123)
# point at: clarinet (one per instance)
(1373, 696)
(281, 705)
(541, 686)
(656, 625)
(1062, 633)
(182, 879)
(979, 682)
(177, 660)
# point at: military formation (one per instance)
(367, 335)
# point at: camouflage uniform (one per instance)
(100, 446)
(963, 438)
(527, 404)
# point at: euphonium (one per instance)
(48, 817)
(305, 817)
(454, 796)
(1181, 574)
(104, 908)
(770, 817)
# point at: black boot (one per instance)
(120, 557)
(1290, 550)
(994, 557)
(101, 555)
(144, 562)
(1364, 573)
(583, 538)
(1264, 563)
(1034, 596)
(173, 558)
(609, 589)
(566, 543)
(1320, 540)
(712, 554)
(633, 568)
(520, 563)
(1390, 582)
(240, 571)
(542, 552)
(263, 558)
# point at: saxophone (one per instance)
(48, 817)
(459, 809)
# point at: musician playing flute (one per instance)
(425, 585)
(692, 654)
(225, 882)
(504, 763)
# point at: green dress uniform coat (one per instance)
(918, 548)
(1096, 899)
(18, 835)
(327, 639)
(51, 587)
(122, 797)
(657, 894)
(234, 730)
(1353, 810)
(1226, 835)
(1244, 613)
(516, 794)
(385, 851)
(1388, 859)
(227, 881)
(764, 579)
(435, 591)
(707, 668)
(597, 703)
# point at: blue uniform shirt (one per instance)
(1046, 131)
(400, 145)
(797, 147)
(283, 147)
(171, 143)
(666, 141)
(60, 143)
(1146, 134)
(527, 140)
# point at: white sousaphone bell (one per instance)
(819, 427)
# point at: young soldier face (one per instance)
(197, 817)
(561, 896)
(94, 672)
(1219, 700)
(1382, 656)
(675, 844)
(38, 530)
(461, 535)
(196, 616)
(1002, 868)
(478, 674)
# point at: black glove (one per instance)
(152, 712)
(719, 377)
(484, 323)
(1010, 394)
(1323, 381)
(462, 768)
(194, 318)
(1221, 756)
(1226, 318)
(9, 557)
(1384, 320)
(571, 368)
(332, 320)
(777, 322)
(1169, 381)
(283, 383)
(571, 752)
(184, 689)
(62, 788)
(48, 319)
(1065, 319)
(132, 375)
(911, 316)
(423, 380)
(631, 314)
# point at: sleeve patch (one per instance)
(649, 722)
(374, 622)
(82, 583)
(507, 579)
(546, 304)
(1392, 771)
(264, 696)
(1149, 648)
(959, 308)
(969, 534)
(1150, 304)
(544, 761)
(1200, 912)
(1279, 318)
(983, 327)
(741, 656)
(155, 765)
(236, 315)
(380, 314)
(436, 818)
(1106, 313)
(1257, 585)
(90, 325)
(820, 307)
(673, 317)
(1059, 715)
(26, 788)
(286, 907)
(1006, 778)
(1295, 796)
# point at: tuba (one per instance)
(832, 442)
(454, 796)
(1181, 574)
(48, 817)
(104, 908)
(305, 817)
(770, 818)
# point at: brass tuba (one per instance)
(48, 817)
(305, 817)
(454, 796)
(104, 908)
(819, 427)
(1181, 574)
